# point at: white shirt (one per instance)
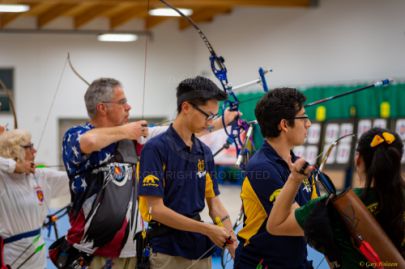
(7, 165)
(153, 131)
(24, 204)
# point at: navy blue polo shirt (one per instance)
(183, 177)
(266, 173)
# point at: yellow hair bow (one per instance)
(377, 140)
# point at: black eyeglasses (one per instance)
(303, 117)
(122, 102)
(28, 146)
(208, 117)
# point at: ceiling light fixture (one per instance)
(14, 8)
(117, 37)
(169, 12)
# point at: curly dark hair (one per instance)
(383, 173)
(278, 104)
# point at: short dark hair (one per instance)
(198, 91)
(278, 104)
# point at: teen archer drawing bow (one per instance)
(220, 71)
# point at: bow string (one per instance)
(10, 101)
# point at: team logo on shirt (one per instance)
(373, 208)
(150, 181)
(119, 172)
(201, 168)
(307, 185)
(274, 195)
(40, 194)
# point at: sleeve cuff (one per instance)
(11, 165)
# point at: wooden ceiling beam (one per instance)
(89, 14)
(121, 11)
(116, 9)
(8, 18)
(53, 13)
(204, 15)
(37, 8)
(152, 21)
(178, 3)
(242, 3)
(78, 9)
(122, 17)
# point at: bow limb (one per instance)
(75, 71)
(11, 102)
(329, 150)
(319, 176)
(69, 62)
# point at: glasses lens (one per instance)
(213, 117)
(28, 146)
(119, 102)
(122, 101)
(208, 117)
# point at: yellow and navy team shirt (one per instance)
(266, 173)
(183, 177)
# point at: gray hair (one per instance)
(101, 90)
(11, 142)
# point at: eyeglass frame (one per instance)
(121, 102)
(28, 146)
(302, 117)
(208, 117)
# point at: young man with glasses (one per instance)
(284, 125)
(100, 159)
(177, 177)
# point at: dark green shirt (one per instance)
(351, 257)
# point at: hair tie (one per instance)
(386, 137)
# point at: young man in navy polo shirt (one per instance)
(284, 125)
(177, 176)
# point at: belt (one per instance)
(20, 236)
(158, 229)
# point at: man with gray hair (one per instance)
(100, 158)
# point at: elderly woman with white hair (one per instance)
(24, 200)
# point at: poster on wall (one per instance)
(311, 153)
(343, 153)
(346, 129)
(332, 133)
(314, 133)
(363, 126)
(400, 128)
(380, 123)
(299, 151)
